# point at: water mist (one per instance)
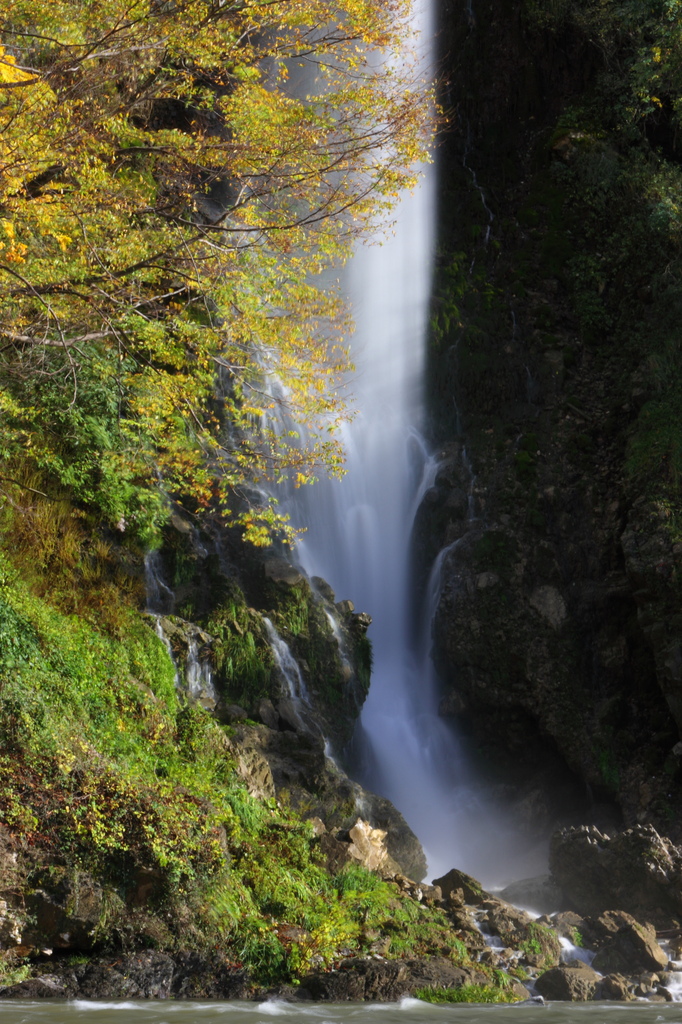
(358, 539)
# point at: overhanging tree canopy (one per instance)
(168, 203)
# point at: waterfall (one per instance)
(197, 672)
(199, 676)
(160, 597)
(359, 528)
(359, 537)
(288, 667)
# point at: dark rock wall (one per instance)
(557, 636)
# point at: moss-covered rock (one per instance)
(554, 365)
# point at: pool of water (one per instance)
(408, 1011)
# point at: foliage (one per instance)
(467, 994)
(12, 971)
(242, 653)
(622, 196)
(542, 941)
(105, 769)
(170, 209)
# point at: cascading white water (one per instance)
(198, 680)
(359, 528)
(288, 667)
(199, 676)
(358, 539)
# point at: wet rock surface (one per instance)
(628, 963)
(575, 984)
(63, 909)
(636, 870)
(388, 980)
(632, 948)
(558, 636)
(276, 760)
(145, 975)
(541, 894)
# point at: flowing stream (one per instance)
(407, 1011)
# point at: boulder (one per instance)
(540, 894)
(577, 929)
(401, 842)
(574, 984)
(506, 921)
(43, 987)
(267, 715)
(229, 713)
(255, 772)
(615, 987)
(388, 980)
(517, 929)
(637, 870)
(146, 975)
(276, 762)
(361, 844)
(605, 926)
(631, 950)
(368, 845)
(323, 589)
(282, 572)
(64, 908)
(208, 976)
(472, 890)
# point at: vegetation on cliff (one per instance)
(175, 180)
(178, 184)
(111, 779)
(555, 330)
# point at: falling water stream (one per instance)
(358, 539)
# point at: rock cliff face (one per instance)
(558, 634)
(280, 739)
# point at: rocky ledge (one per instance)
(585, 948)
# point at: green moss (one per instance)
(467, 994)
(543, 942)
(494, 552)
(528, 443)
(13, 969)
(524, 463)
(242, 653)
(107, 769)
(609, 770)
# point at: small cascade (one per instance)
(195, 677)
(484, 201)
(429, 470)
(289, 669)
(198, 676)
(673, 985)
(160, 597)
(160, 602)
(570, 952)
(158, 629)
(346, 667)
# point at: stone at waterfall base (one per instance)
(575, 984)
(143, 975)
(379, 980)
(637, 871)
(629, 949)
